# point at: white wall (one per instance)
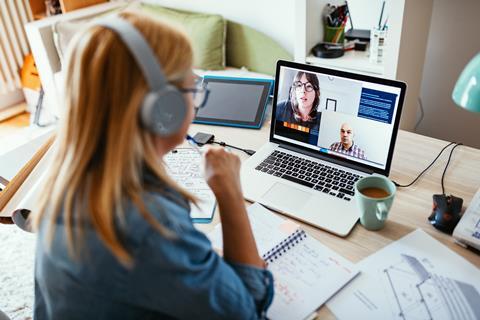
(411, 57)
(366, 13)
(453, 40)
(275, 18)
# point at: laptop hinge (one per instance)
(318, 155)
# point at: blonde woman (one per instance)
(115, 237)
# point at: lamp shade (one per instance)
(466, 93)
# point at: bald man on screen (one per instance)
(347, 145)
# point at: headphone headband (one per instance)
(163, 109)
(139, 48)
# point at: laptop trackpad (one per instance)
(285, 198)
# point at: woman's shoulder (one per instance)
(283, 104)
(283, 111)
(168, 208)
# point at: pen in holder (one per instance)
(334, 34)
(377, 44)
(334, 20)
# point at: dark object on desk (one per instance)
(359, 34)
(327, 50)
(6, 220)
(446, 212)
(356, 45)
(202, 138)
(21, 219)
(360, 46)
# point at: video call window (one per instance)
(339, 116)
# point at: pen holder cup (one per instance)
(334, 34)
(378, 43)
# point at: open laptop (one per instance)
(309, 167)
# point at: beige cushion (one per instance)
(63, 31)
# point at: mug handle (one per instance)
(382, 211)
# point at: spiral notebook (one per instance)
(306, 273)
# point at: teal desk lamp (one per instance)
(466, 93)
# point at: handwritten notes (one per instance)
(305, 278)
(183, 164)
(306, 273)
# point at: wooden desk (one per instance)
(412, 206)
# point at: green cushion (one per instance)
(247, 47)
(206, 32)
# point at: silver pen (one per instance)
(193, 143)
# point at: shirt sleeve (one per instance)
(40, 307)
(260, 284)
(183, 277)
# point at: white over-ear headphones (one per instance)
(164, 108)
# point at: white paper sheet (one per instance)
(11, 162)
(468, 229)
(415, 277)
(183, 164)
(27, 195)
(268, 229)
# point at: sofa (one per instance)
(221, 47)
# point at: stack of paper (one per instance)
(415, 277)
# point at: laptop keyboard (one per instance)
(323, 178)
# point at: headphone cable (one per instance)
(430, 165)
(223, 144)
(446, 166)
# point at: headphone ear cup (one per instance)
(163, 112)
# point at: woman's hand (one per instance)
(222, 173)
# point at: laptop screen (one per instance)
(341, 115)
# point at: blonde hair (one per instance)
(102, 151)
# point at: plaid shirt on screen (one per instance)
(353, 151)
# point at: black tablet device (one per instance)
(237, 102)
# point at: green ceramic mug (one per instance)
(374, 196)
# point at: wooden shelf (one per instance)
(356, 61)
(39, 10)
(70, 5)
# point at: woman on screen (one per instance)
(115, 239)
(304, 97)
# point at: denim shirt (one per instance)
(175, 278)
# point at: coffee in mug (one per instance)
(373, 192)
(374, 196)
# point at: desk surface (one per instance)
(412, 206)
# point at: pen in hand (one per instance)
(193, 143)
